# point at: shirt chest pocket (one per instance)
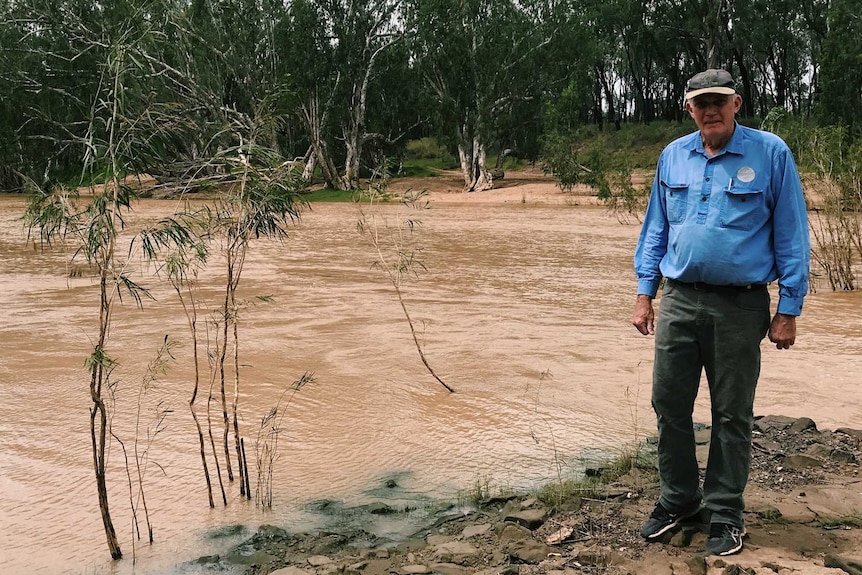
(676, 201)
(743, 208)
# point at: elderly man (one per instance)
(726, 217)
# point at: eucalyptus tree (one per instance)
(841, 73)
(478, 58)
(330, 56)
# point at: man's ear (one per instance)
(688, 108)
(737, 103)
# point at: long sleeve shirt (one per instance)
(736, 218)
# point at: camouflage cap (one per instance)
(710, 81)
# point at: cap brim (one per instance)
(714, 90)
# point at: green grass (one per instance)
(330, 195)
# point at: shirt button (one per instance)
(707, 179)
(704, 198)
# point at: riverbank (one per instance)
(803, 516)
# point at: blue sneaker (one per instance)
(661, 521)
(724, 539)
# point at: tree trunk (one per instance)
(309, 163)
(477, 177)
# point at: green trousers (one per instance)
(719, 332)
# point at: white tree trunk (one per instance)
(477, 176)
(310, 162)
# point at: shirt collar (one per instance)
(734, 146)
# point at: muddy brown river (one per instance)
(522, 309)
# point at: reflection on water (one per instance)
(523, 310)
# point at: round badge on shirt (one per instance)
(745, 174)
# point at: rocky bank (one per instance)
(804, 516)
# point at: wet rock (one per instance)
(530, 518)
(377, 508)
(855, 433)
(272, 532)
(261, 558)
(226, 531)
(802, 424)
(207, 560)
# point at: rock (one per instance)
(800, 462)
(449, 569)
(818, 450)
(292, 570)
(434, 540)
(767, 446)
(838, 562)
(795, 512)
(474, 530)
(528, 551)
(600, 556)
(319, 560)
(768, 422)
(415, 569)
(842, 456)
(272, 532)
(381, 553)
(456, 548)
(559, 535)
(512, 532)
(855, 433)
(378, 508)
(255, 558)
(802, 424)
(529, 518)
(696, 564)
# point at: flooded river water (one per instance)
(523, 309)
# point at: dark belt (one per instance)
(712, 288)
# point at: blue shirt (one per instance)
(736, 218)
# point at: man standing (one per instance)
(726, 216)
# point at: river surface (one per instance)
(522, 309)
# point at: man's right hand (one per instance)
(644, 317)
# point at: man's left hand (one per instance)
(782, 330)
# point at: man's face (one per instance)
(714, 114)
